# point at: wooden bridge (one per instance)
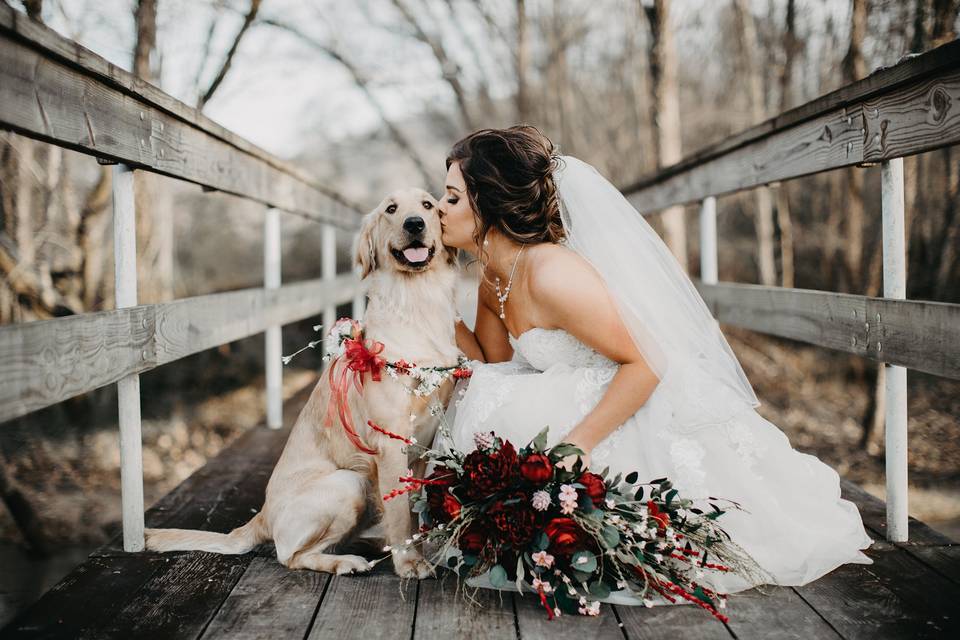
(53, 90)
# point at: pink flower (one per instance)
(592, 609)
(483, 439)
(540, 500)
(543, 559)
(538, 583)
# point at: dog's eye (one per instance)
(392, 208)
(427, 204)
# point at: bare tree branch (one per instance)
(364, 85)
(449, 69)
(228, 60)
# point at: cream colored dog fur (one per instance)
(324, 491)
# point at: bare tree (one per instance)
(791, 46)
(449, 69)
(666, 116)
(522, 63)
(360, 79)
(749, 49)
(228, 59)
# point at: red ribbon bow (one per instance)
(360, 359)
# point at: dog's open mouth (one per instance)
(416, 254)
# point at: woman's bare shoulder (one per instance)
(557, 269)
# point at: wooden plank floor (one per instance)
(910, 591)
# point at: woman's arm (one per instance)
(571, 295)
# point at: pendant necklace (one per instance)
(502, 297)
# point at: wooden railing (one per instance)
(54, 90)
(906, 109)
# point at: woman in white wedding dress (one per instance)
(587, 324)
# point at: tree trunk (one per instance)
(782, 193)
(666, 117)
(749, 46)
(854, 68)
(523, 62)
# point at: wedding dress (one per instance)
(699, 428)
(795, 525)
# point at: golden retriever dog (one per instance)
(324, 491)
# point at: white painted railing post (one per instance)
(271, 280)
(894, 286)
(359, 303)
(128, 388)
(328, 257)
(708, 240)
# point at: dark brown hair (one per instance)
(508, 173)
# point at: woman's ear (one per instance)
(365, 250)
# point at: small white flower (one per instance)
(572, 592)
(648, 603)
(483, 439)
(583, 600)
(407, 541)
(416, 536)
(413, 417)
(546, 586)
(723, 603)
(386, 548)
(556, 612)
(413, 440)
(621, 584)
(610, 503)
(540, 500)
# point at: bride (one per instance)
(586, 323)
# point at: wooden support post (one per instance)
(328, 257)
(894, 286)
(708, 240)
(128, 388)
(271, 280)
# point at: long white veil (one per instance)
(701, 380)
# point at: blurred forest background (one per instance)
(368, 96)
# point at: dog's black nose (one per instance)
(414, 224)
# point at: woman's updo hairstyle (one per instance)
(508, 174)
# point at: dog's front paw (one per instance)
(346, 564)
(412, 565)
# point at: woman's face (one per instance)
(456, 214)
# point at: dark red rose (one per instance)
(487, 473)
(439, 501)
(451, 506)
(536, 468)
(514, 523)
(472, 539)
(594, 487)
(566, 536)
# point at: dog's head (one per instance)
(403, 234)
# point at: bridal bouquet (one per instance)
(569, 535)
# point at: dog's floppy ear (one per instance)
(365, 250)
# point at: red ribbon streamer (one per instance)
(359, 359)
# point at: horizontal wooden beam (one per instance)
(45, 362)
(905, 109)
(54, 90)
(919, 335)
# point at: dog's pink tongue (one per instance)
(418, 254)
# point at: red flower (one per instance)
(442, 505)
(662, 518)
(451, 506)
(594, 487)
(487, 473)
(462, 373)
(536, 468)
(566, 536)
(514, 522)
(472, 539)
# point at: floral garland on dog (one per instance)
(346, 341)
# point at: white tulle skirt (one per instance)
(794, 523)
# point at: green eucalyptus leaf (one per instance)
(631, 477)
(611, 536)
(498, 576)
(540, 441)
(599, 589)
(584, 561)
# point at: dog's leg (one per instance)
(309, 523)
(398, 524)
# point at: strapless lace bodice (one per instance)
(543, 348)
